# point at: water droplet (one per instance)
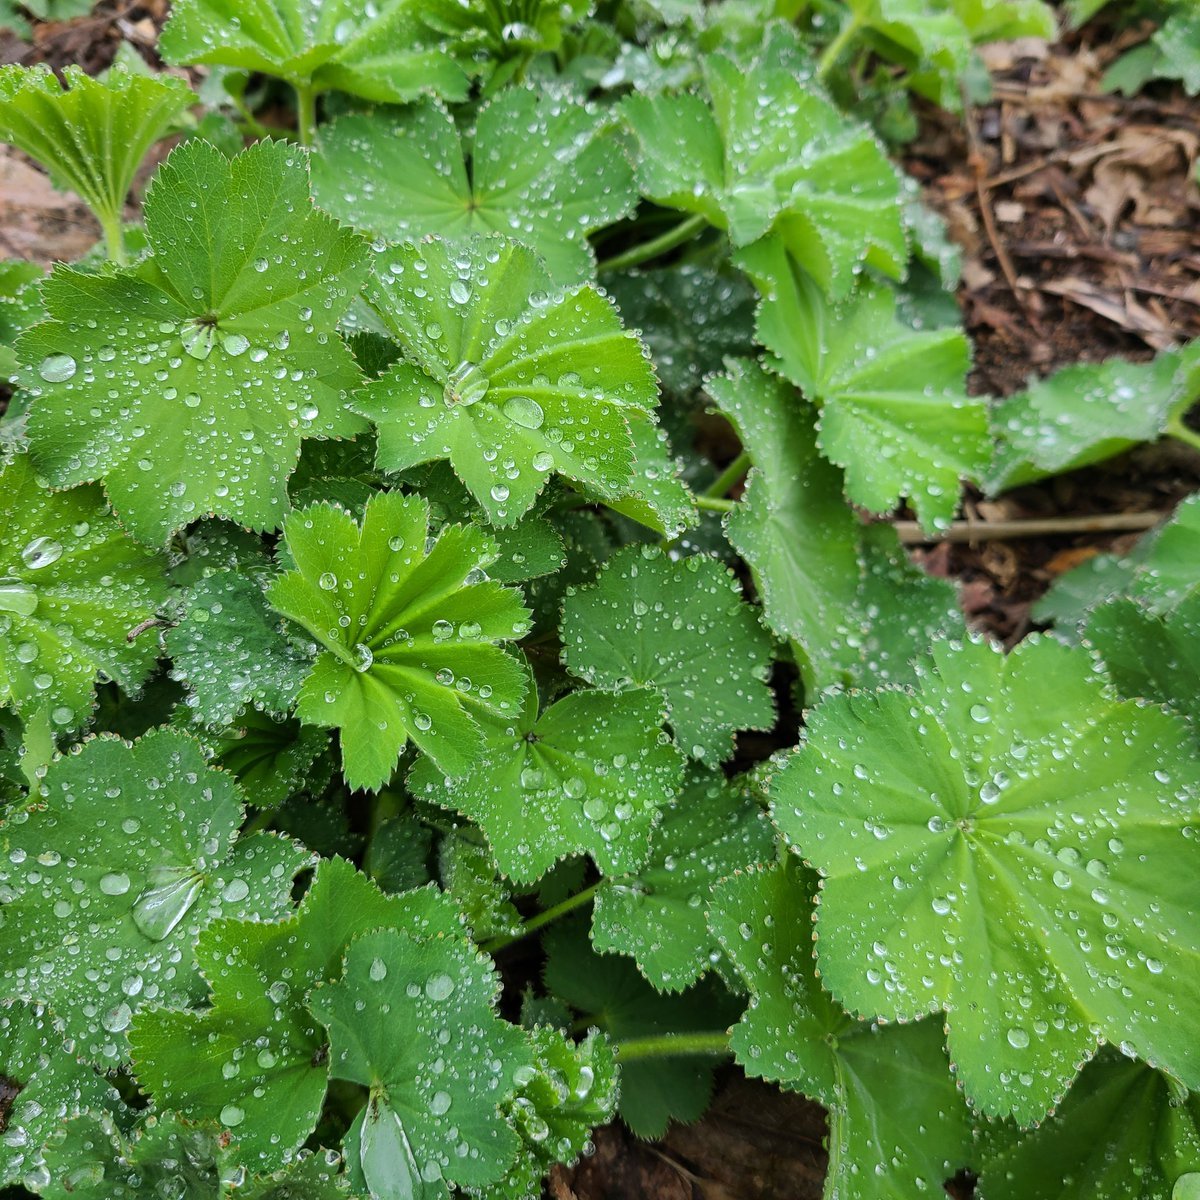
(232, 1116)
(41, 552)
(57, 368)
(364, 656)
(378, 969)
(235, 890)
(524, 411)
(439, 986)
(1018, 1038)
(165, 902)
(328, 581)
(440, 1103)
(115, 884)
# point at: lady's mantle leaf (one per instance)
(382, 51)
(229, 650)
(42, 1085)
(413, 1019)
(503, 377)
(188, 381)
(657, 916)
(409, 643)
(682, 628)
(589, 776)
(568, 1092)
(1089, 412)
(93, 134)
(1015, 856)
(72, 587)
(107, 882)
(897, 1125)
(1124, 1130)
(543, 170)
(253, 1060)
(818, 179)
(894, 410)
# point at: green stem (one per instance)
(1181, 433)
(675, 236)
(713, 504)
(833, 51)
(114, 236)
(306, 112)
(728, 477)
(666, 1045)
(542, 919)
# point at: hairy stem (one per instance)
(833, 51)
(114, 236)
(675, 236)
(667, 1045)
(542, 919)
(306, 112)
(728, 477)
(1181, 433)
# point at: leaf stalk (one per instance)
(675, 236)
(668, 1045)
(542, 919)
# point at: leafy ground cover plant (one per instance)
(424, 738)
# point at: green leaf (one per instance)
(894, 409)
(792, 526)
(107, 882)
(91, 1159)
(819, 180)
(399, 853)
(92, 134)
(569, 1091)
(272, 758)
(589, 776)
(469, 876)
(611, 994)
(384, 52)
(1123, 1130)
(1178, 44)
(503, 377)
(505, 29)
(254, 1060)
(657, 498)
(1160, 571)
(20, 307)
(1086, 413)
(311, 1177)
(413, 1019)
(657, 915)
(1149, 656)
(72, 588)
(691, 318)
(930, 42)
(543, 169)
(1011, 854)
(1004, 20)
(188, 381)
(681, 628)
(897, 1125)
(410, 645)
(230, 651)
(42, 1085)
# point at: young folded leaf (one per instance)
(187, 382)
(1014, 856)
(410, 645)
(99, 922)
(73, 585)
(252, 1061)
(504, 377)
(544, 170)
(682, 628)
(413, 1019)
(383, 51)
(898, 1126)
(895, 413)
(818, 179)
(91, 135)
(589, 776)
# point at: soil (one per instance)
(1078, 214)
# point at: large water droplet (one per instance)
(165, 902)
(524, 411)
(41, 552)
(19, 598)
(57, 368)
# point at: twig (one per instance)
(979, 167)
(911, 534)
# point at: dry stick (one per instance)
(911, 534)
